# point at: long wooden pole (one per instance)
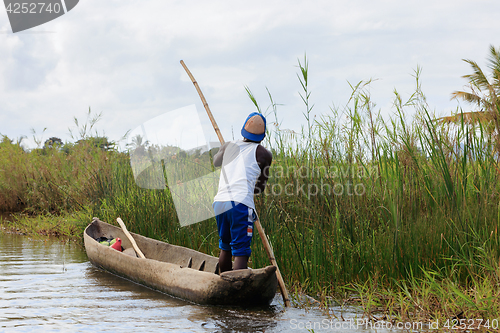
(272, 259)
(262, 233)
(205, 104)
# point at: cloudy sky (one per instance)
(121, 58)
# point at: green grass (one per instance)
(68, 225)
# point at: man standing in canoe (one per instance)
(245, 170)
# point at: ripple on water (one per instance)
(49, 285)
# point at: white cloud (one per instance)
(122, 58)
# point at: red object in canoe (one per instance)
(117, 245)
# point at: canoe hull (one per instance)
(179, 271)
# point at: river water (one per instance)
(48, 285)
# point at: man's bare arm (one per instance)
(264, 159)
(220, 154)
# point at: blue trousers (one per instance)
(235, 225)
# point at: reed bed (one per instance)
(50, 180)
(404, 212)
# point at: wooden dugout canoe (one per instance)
(179, 271)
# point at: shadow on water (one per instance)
(49, 285)
(240, 319)
(206, 317)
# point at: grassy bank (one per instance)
(67, 225)
(402, 212)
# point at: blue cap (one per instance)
(254, 128)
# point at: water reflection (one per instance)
(48, 285)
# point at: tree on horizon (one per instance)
(484, 93)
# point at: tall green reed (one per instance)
(352, 196)
(418, 206)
